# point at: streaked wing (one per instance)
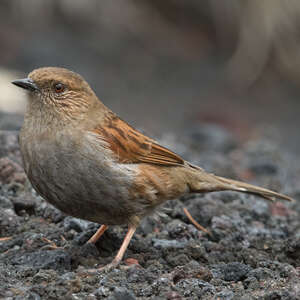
(131, 146)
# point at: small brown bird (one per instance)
(87, 162)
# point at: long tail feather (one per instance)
(239, 186)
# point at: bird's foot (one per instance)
(105, 269)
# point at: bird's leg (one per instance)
(126, 241)
(196, 224)
(98, 234)
(119, 256)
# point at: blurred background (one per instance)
(165, 66)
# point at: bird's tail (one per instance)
(239, 186)
(210, 183)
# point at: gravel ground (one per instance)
(253, 251)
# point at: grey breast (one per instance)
(80, 181)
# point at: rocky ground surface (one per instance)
(253, 251)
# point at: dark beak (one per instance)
(26, 83)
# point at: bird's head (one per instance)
(58, 91)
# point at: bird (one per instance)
(89, 163)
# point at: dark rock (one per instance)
(24, 202)
(197, 251)
(88, 249)
(234, 271)
(101, 292)
(292, 249)
(225, 295)
(222, 226)
(168, 244)
(261, 210)
(28, 296)
(178, 274)
(251, 282)
(178, 260)
(147, 226)
(44, 276)
(158, 287)
(56, 260)
(121, 293)
(10, 243)
(195, 288)
(67, 276)
(83, 237)
(78, 225)
(191, 270)
(141, 275)
(261, 274)
(203, 210)
(85, 255)
(177, 229)
(280, 295)
(48, 211)
(5, 203)
(173, 296)
(33, 296)
(203, 274)
(8, 221)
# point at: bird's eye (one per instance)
(59, 88)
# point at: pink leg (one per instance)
(98, 234)
(122, 250)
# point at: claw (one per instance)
(109, 267)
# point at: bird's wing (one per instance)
(131, 146)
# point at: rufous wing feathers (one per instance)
(131, 146)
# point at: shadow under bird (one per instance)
(87, 162)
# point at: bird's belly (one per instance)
(82, 185)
